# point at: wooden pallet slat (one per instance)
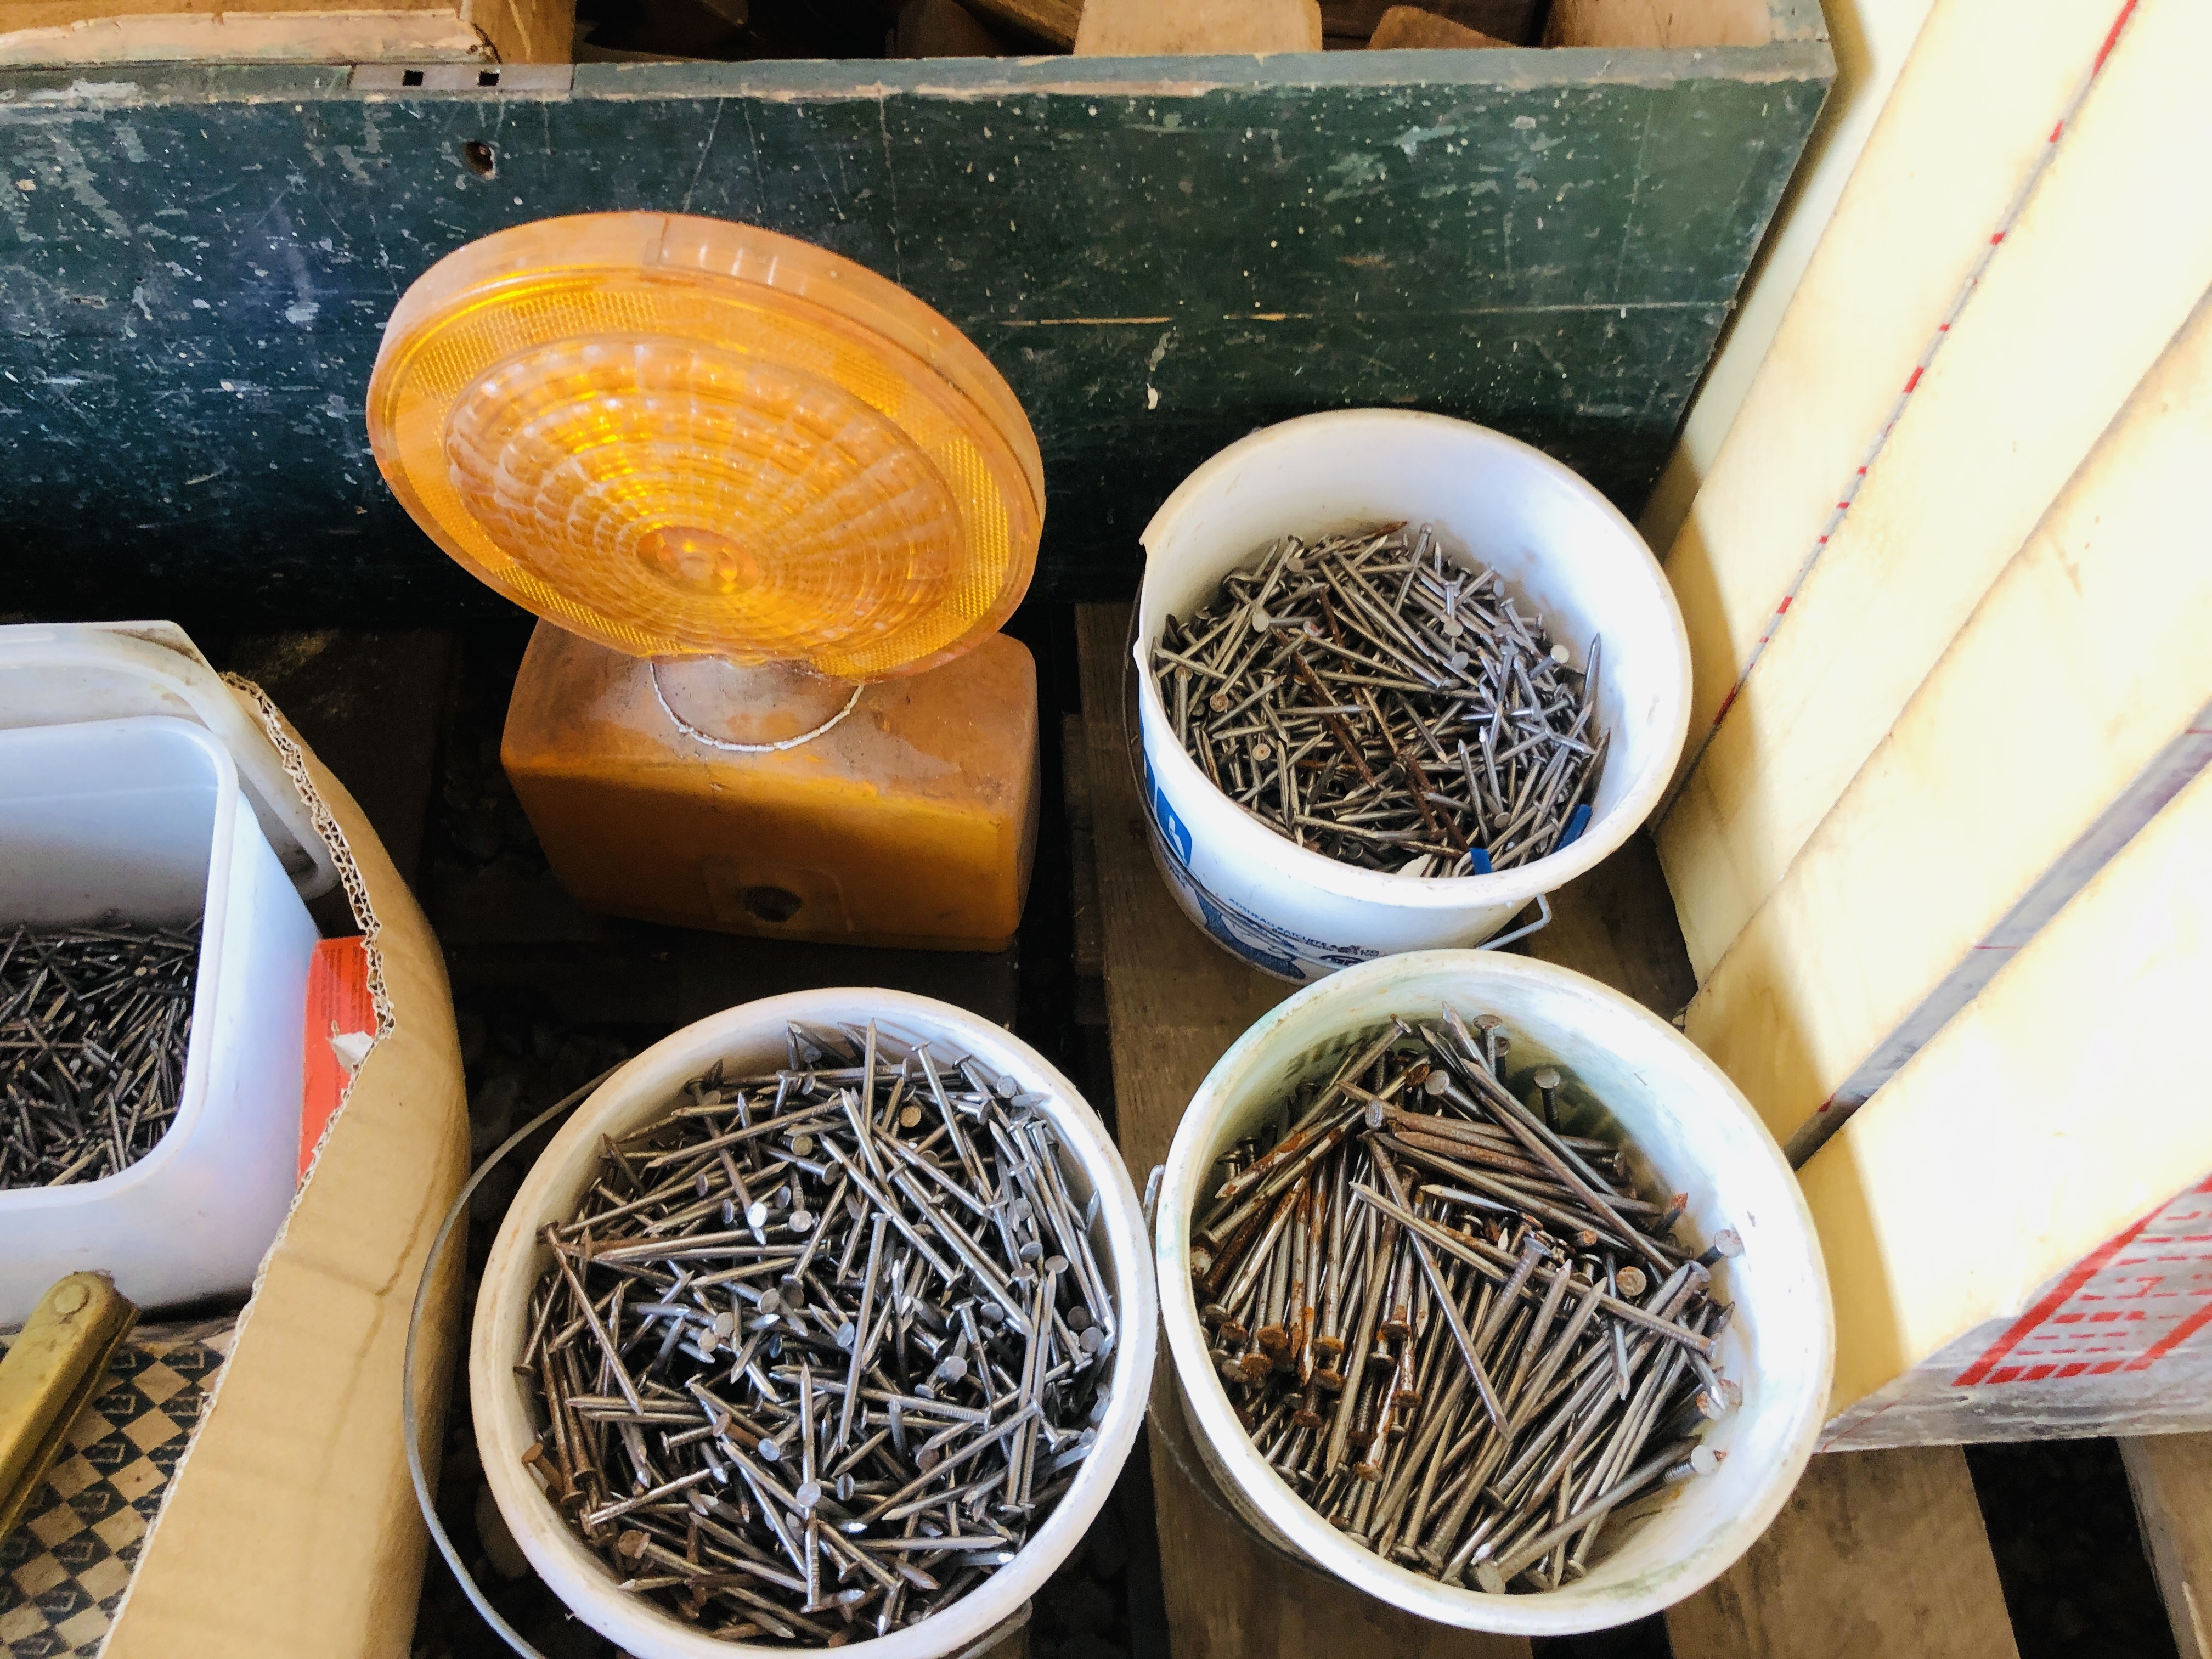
(1876, 1553)
(2170, 1476)
(1176, 1002)
(1899, 1532)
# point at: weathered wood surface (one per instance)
(193, 283)
(1176, 1001)
(2170, 1476)
(1876, 1553)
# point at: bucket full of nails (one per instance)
(1489, 1294)
(1398, 675)
(826, 1320)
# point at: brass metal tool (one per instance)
(52, 1371)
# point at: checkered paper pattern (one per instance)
(64, 1570)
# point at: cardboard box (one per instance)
(290, 1528)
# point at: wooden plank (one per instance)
(2170, 1476)
(1671, 23)
(1145, 28)
(1348, 22)
(1068, 217)
(1409, 27)
(1875, 1552)
(2065, 1286)
(1970, 116)
(291, 31)
(2002, 414)
(2037, 760)
(1872, 40)
(353, 37)
(1053, 22)
(1176, 1002)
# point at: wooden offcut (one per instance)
(1145, 28)
(1405, 27)
(1347, 22)
(1679, 22)
(287, 31)
(1053, 22)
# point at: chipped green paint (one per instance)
(196, 263)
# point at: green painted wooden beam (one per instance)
(196, 263)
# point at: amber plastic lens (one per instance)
(684, 437)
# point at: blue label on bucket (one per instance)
(1172, 829)
(1267, 947)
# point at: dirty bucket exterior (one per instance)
(1629, 1076)
(1493, 501)
(641, 1093)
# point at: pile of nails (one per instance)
(93, 1026)
(822, 1347)
(1457, 1333)
(1375, 702)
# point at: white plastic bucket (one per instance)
(1491, 501)
(142, 820)
(643, 1090)
(1692, 1132)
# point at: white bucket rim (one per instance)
(1556, 1612)
(1604, 834)
(573, 1573)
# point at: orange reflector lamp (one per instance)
(678, 438)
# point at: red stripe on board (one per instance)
(1782, 609)
(1996, 241)
(2056, 130)
(1918, 371)
(2174, 1337)
(2079, 1275)
(2111, 39)
(2024, 1327)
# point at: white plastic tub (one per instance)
(1493, 501)
(142, 820)
(752, 1036)
(1694, 1135)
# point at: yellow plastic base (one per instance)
(911, 823)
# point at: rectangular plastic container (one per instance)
(142, 820)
